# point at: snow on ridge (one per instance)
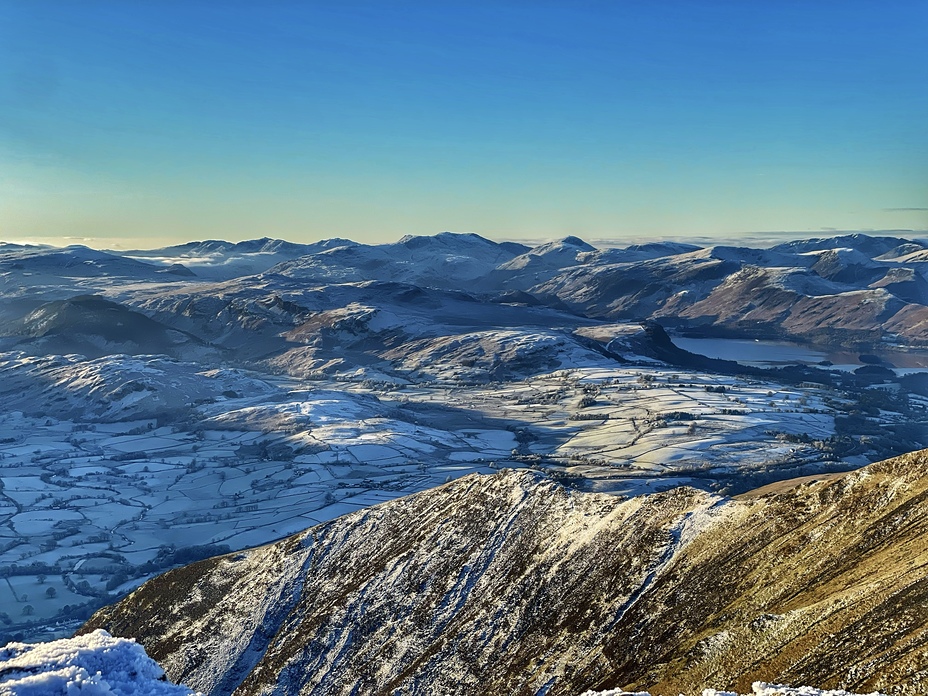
(95, 664)
(758, 688)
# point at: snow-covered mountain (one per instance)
(821, 293)
(33, 275)
(512, 583)
(447, 260)
(216, 259)
(852, 291)
(540, 263)
(74, 261)
(866, 244)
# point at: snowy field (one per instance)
(89, 510)
(634, 430)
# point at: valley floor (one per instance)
(88, 510)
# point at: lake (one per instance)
(777, 353)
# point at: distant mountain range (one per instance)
(852, 291)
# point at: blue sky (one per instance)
(144, 123)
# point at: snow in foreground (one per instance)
(97, 664)
(757, 689)
(92, 665)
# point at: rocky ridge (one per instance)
(515, 584)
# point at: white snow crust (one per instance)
(95, 664)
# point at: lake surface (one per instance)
(778, 353)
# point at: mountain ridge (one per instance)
(514, 584)
(854, 291)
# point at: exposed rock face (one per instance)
(512, 584)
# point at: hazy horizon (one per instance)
(751, 239)
(149, 124)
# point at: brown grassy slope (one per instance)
(509, 583)
(824, 585)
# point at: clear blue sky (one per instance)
(142, 123)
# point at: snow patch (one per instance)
(95, 664)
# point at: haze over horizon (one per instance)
(146, 124)
(756, 240)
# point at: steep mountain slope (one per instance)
(459, 590)
(638, 290)
(513, 584)
(758, 688)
